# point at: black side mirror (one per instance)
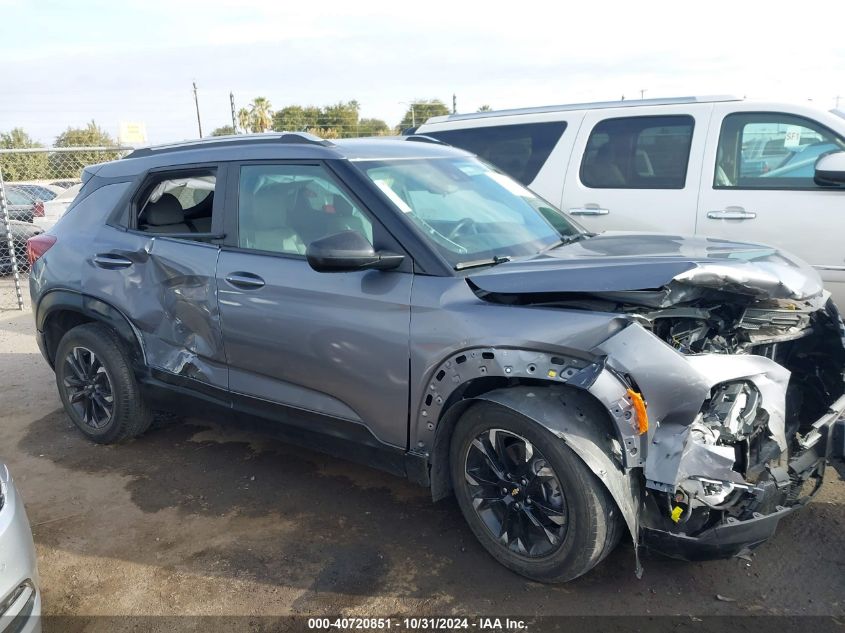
(830, 169)
(347, 251)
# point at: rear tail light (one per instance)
(38, 209)
(37, 246)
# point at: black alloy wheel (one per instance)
(516, 493)
(88, 388)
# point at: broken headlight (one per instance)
(733, 411)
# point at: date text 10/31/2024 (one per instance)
(422, 623)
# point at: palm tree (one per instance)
(262, 114)
(485, 108)
(244, 120)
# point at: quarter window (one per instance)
(178, 203)
(771, 151)
(283, 208)
(638, 153)
(518, 150)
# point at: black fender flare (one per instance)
(575, 425)
(92, 309)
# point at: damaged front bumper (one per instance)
(733, 536)
(728, 452)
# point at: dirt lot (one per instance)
(195, 518)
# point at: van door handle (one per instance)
(246, 281)
(111, 261)
(588, 211)
(734, 213)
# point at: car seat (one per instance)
(164, 216)
(269, 228)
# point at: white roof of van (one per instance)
(632, 103)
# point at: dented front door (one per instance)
(166, 287)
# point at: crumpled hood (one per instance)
(624, 261)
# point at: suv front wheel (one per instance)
(97, 385)
(530, 500)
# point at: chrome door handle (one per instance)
(247, 281)
(588, 211)
(731, 214)
(111, 261)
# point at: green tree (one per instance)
(70, 164)
(373, 127)
(420, 110)
(296, 118)
(244, 121)
(261, 114)
(342, 117)
(92, 135)
(224, 130)
(485, 108)
(23, 166)
(339, 120)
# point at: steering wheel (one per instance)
(460, 226)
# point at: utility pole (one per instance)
(197, 105)
(234, 116)
(455, 104)
(642, 93)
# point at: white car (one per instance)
(20, 598)
(53, 209)
(714, 166)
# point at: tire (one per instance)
(97, 385)
(583, 519)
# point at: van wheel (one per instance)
(97, 385)
(530, 500)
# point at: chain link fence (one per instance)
(37, 186)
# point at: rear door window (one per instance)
(180, 203)
(767, 150)
(518, 150)
(649, 152)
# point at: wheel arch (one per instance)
(568, 412)
(59, 311)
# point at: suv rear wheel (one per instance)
(97, 385)
(531, 501)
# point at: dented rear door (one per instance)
(165, 286)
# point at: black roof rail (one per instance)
(423, 138)
(233, 139)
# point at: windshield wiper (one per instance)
(569, 239)
(492, 261)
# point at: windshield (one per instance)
(469, 210)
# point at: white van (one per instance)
(715, 166)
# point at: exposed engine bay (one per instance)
(753, 449)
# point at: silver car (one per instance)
(20, 599)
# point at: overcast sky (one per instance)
(64, 63)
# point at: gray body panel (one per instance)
(333, 344)
(171, 294)
(617, 261)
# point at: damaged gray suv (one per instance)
(401, 303)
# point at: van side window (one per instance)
(178, 202)
(518, 150)
(650, 152)
(764, 150)
(283, 208)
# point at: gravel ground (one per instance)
(200, 519)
